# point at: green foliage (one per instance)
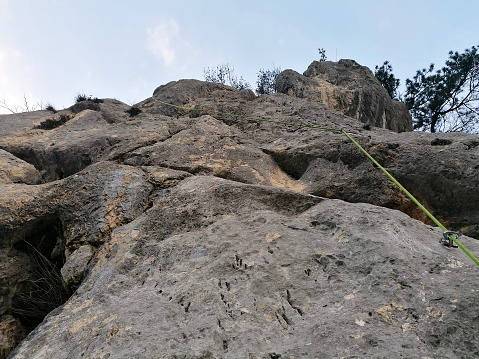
(446, 100)
(224, 74)
(322, 54)
(385, 76)
(266, 82)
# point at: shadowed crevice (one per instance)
(293, 164)
(43, 288)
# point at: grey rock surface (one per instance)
(14, 170)
(349, 88)
(194, 234)
(76, 264)
(11, 332)
(219, 269)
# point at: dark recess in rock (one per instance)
(54, 164)
(51, 123)
(292, 164)
(133, 111)
(440, 142)
(44, 289)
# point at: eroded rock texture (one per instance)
(172, 233)
(349, 88)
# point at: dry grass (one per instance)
(43, 292)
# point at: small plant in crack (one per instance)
(43, 292)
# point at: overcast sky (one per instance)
(51, 50)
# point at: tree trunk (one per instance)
(434, 119)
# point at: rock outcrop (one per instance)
(174, 233)
(349, 88)
(14, 170)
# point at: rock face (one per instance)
(180, 233)
(11, 333)
(14, 170)
(349, 88)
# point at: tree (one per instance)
(266, 81)
(27, 107)
(385, 76)
(224, 74)
(446, 100)
(322, 55)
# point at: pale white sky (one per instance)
(51, 50)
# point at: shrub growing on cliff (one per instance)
(49, 107)
(266, 82)
(224, 74)
(322, 55)
(82, 97)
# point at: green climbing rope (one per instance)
(429, 214)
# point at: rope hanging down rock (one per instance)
(452, 236)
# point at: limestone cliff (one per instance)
(162, 232)
(349, 88)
